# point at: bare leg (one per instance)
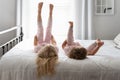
(49, 27)
(40, 32)
(70, 37)
(93, 48)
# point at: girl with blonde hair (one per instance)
(46, 60)
(46, 48)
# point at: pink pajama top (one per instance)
(68, 48)
(39, 46)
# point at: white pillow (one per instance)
(118, 46)
(117, 39)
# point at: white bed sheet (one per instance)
(19, 64)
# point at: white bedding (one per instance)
(19, 64)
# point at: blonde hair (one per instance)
(78, 53)
(46, 60)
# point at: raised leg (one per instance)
(49, 27)
(70, 37)
(93, 48)
(40, 31)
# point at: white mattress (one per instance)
(19, 64)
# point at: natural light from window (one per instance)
(62, 13)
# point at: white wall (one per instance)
(103, 27)
(7, 19)
(107, 27)
(7, 14)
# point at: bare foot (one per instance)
(51, 8)
(99, 42)
(40, 6)
(71, 23)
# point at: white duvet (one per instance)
(19, 64)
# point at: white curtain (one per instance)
(87, 19)
(84, 19)
(79, 11)
(62, 13)
(19, 16)
(91, 33)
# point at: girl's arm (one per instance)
(64, 44)
(35, 40)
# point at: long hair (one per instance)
(78, 53)
(46, 60)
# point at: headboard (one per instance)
(8, 45)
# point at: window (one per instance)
(62, 13)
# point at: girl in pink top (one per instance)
(75, 50)
(39, 40)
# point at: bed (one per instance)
(18, 63)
